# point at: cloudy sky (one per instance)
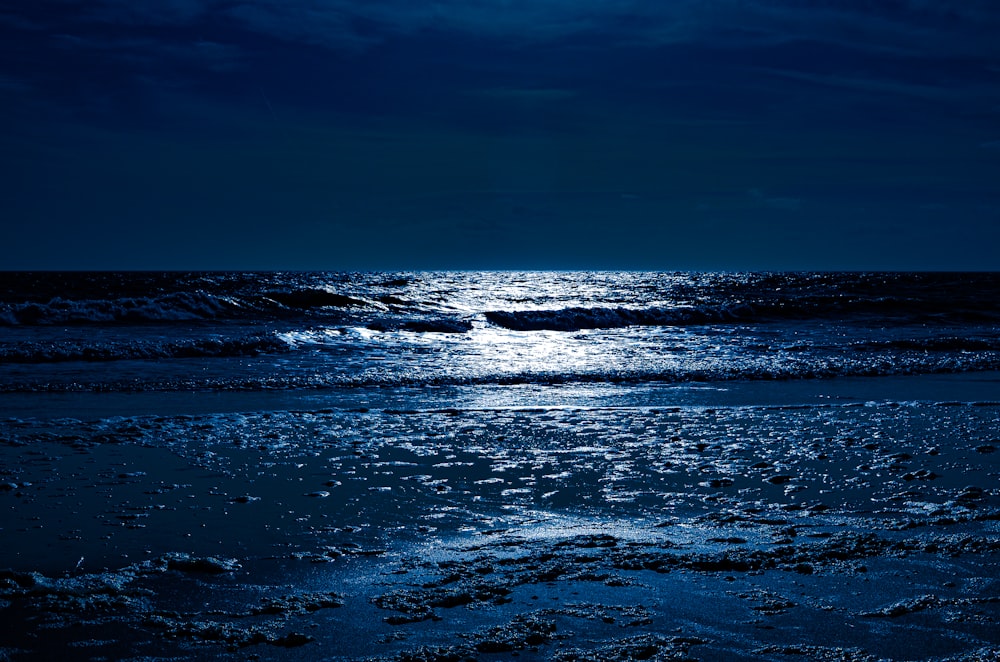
(330, 134)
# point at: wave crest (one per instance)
(62, 352)
(177, 306)
(184, 306)
(577, 319)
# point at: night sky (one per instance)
(329, 134)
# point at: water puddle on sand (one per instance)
(713, 532)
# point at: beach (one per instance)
(851, 529)
(541, 466)
(499, 331)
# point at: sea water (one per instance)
(793, 423)
(482, 337)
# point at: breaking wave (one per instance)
(61, 352)
(178, 306)
(809, 308)
(322, 330)
(427, 325)
(175, 307)
(708, 372)
(577, 319)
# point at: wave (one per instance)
(428, 325)
(588, 300)
(717, 372)
(577, 319)
(62, 352)
(809, 308)
(314, 298)
(177, 307)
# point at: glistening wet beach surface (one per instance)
(849, 530)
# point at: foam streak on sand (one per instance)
(476, 466)
(558, 532)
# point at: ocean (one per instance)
(451, 465)
(339, 333)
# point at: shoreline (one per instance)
(866, 529)
(979, 386)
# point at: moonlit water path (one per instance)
(268, 332)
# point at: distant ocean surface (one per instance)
(347, 332)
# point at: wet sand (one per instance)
(859, 530)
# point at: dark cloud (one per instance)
(245, 133)
(912, 25)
